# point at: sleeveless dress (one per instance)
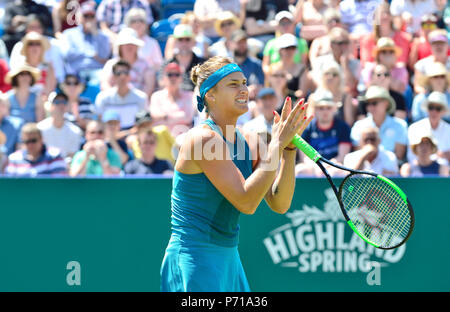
(202, 253)
(28, 112)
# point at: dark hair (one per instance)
(121, 63)
(15, 83)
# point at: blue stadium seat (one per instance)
(170, 7)
(162, 29)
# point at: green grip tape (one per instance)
(306, 148)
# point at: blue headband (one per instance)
(213, 80)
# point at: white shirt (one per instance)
(385, 160)
(67, 139)
(441, 134)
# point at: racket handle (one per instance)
(307, 149)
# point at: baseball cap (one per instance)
(264, 92)
(88, 7)
(183, 31)
(284, 14)
(110, 115)
(286, 41)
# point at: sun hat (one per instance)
(128, 36)
(418, 137)
(34, 36)
(386, 43)
(35, 72)
(225, 16)
(322, 97)
(376, 92)
(433, 70)
(436, 97)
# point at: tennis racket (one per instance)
(374, 207)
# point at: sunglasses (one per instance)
(344, 42)
(439, 76)
(279, 75)
(172, 75)
(379, 75)
(184, 39)
(429, 26)
(370, 139)
(31, 141)
(226, 24)
(59, 102)
(96, 132)
(437, 108)
(387, 52)
(121, 72)
(137, 20)
(372, 102)
(89, 16)
(34, 43)
(332, 74)
(285, 23)
(151, 142)
(71, 83)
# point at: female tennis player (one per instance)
(215, 181)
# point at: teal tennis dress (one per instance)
(202, 253)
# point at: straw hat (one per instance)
(34, 36)
(416, 139)
(433, 70)
(376, 92)
(386, 43)
(35, 72)
(225, 16)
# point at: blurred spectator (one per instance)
(34, 47)
(202, 42)
(298, 82)
(332, 81)
(57, 131)
(80, 109)
(407, 13)
(250, 66)
(111, 121)
(207, 11)
(111, 14)
(142, 75)
(341, 54)
(437, 107)
(277, 78)
(266, 103)
(15, 18)
(53, 55)
(165, 139)
(95, 158)
(225, 24)
(420, 47)
(285, 25)
(439, 53)
(64, 15)
(86, 47)
(4, 68)
(392, 130)
(372, 156)
(383, 26)
(381, 77)
(310, 14)
(387, 53)
(9, 126)
(150, 51)
(258, 19)
(321, 45)
(35, 158)
(424, 146)
(123, 98)
(437, 79)
(358, 16)
(328, 134)
(148, 163)
(23, 101)
(3, 155)
(172, 106)
(183, 53)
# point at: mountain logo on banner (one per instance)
(319, 240)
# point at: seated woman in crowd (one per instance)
(23, 101)
(277, 79)
(424, 146)
(225, 24)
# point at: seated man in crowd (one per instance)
(35, 158)
(95, 158)
(148, 163)
(372, 156)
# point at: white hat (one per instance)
(286, 40)
(128, 36)
(322, 97)
(284, 14)
(436, 97)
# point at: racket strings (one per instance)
(376, 209)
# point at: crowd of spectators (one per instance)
(87, 89)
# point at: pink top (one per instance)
(180, 113)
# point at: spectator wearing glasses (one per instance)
(86, 47)
(392, 130)
(437, 79)
(183, 53)
(340, 54)
(407, 13)
(23, 102)
(424, 146)
(123, 98)
(80, 109)
(136, 19)
(142, 75)
(225, 24)
(35, 158)
(148, 163)
(171, 106)
(277, 78)
(372, 156)
(437, 107)
(111, 121)
(95, 158)
(57, 131)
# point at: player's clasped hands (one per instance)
(292, 121)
